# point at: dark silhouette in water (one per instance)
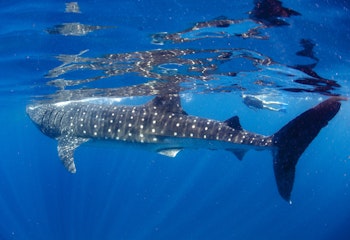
(308, 49)
(319, 84)
(270, 12)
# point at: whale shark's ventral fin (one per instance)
(239, 153)
(292, 140)
(66, 147)
(169, 152)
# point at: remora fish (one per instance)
(163, 126)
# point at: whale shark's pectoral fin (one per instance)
(169, 152)
(66, 147)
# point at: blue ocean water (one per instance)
(122, 192)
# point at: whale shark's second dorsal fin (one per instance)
(167, 103)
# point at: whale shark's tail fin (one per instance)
(292, 140)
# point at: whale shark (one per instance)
(163, 126)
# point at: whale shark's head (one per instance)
(36, 113)
(39, 114)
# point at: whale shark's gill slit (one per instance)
(59, 118)
(34, 115)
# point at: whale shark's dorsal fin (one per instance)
(234, 123)
(66, 147)
(167, 103)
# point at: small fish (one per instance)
(74, 29)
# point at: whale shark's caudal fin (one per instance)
(292, 140)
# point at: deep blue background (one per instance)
(127, 193)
